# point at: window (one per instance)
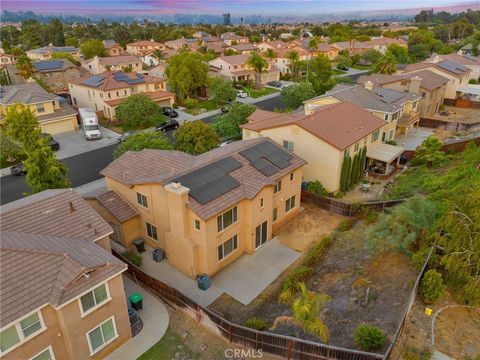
(290, 204)
(346, 153)
(54, 103)
(385, 117)
(261, 202)
(40, 108)
(21, 331)
(8, 338)
(196, 224)
(357, 145)
(384, 136)
(94, 299)
(30, 325)
(390, 136)
(278, 187)
(424, 94)
(275, 215)
(415, 105)
(288, 145)
(46, 354)
(227, 218)
(227, 247)
(102, 335)
(396, 115)
(291, 176)
(142, 200)
(375, 136)
(152, 231)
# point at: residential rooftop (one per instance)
(45, 66)
(52, 49)
(28, 93)
(116, 60)
(447, 66)
(430, 80)
(111, 80)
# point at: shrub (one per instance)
(316, 187)
(410, 353)
(257, 324)
(473, 81)
(369, 337)
(191, 103)
(291, 283)
(432, 287)
(316, 251)
(345, 224)
(133, 257)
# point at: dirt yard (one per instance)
(312, 224)
(345, 273)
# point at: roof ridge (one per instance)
(57, 192)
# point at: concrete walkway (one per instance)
(414, 138)
(244, 279)
(155, 323)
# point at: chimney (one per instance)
(369, 85)
(414, 85)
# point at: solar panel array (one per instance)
(211, 181)
(121, 76)
(94, 81)
(452, 67)
(388, 96)
(267, 158)
(48, 65)
(470, 57)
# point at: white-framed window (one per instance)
(278, 187)
(21, 331)
(226, 219)
(102, 335)
(94, 299)
(385, 117)
(275, 215)
(142, 200)
(45, 354)
(346, 153)
(290, 204)
(196, 224)
(151, 231)
(357, 146)
(291, 176)
(375, 136)
(288, 145)
(40, 108)
(227, 247)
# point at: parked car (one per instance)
(241, 94)
(169, 112)
(274, 84)
(226, 108)
(125, 136)
(18, 170)
(343, 68)
(168, 125)
(54, 144)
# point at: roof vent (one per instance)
(369, 85)
(72, 208)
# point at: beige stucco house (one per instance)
(53, 117)
(105, 91)
(45, 53)
(57, 73)
(98, 65)
(204, 211)
(325, 136)
(139, 48)
(381, 43)
(62, 294)
(112, 48)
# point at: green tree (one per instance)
(195, 138)
(55, 32)
(187, 72)
(64, 55)
(343, 62)
(21, 125)
(24, 66)
(138, 111)
(431, 152)
(371, 56)
(400, 53)
(227, 126)
(294, 58)
(320, 75)
(294, 95)
(385, 65)
(11, 150)
(140, 141)
(369, 337)
(270, 54)
(71, 41)
(345, 173)
(91, 48)
(222, 90)
(258, 64)
(432, 287)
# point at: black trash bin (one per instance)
(158, 255)
(204, 282)
(136, 300)
(139, 244)
(132, 315)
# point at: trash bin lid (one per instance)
(138, 241)
(135, 298)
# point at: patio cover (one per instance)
(384, 152)
(470, 89)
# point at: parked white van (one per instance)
(90, 126)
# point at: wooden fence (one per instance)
(279, 345)
(347, 209)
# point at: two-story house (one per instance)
(45, 53)
(98, 65)
(138, 48)
(105, 91)
(205, 211)
(398, 109)
(112, 48)
(53, 116)
(381, 43)
(57, 73)
(324, 137)
(469, 61)
(353, 47)
(230, 38)
(430, 86)
(61, 294)
(234, 68)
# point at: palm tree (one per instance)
(294, 58)
(258, 64)
(24, 66)
(431, 151)
(385, 65)
(270, 54)
(158, 54)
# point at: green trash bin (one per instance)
(136, 301)
(139, 244)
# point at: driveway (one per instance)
(155, 323)
(244, 279)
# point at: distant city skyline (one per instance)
(235, 7)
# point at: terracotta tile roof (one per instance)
(161, 166)
(145, 43)
(47, 246)
(340, 125)
(116, 205)
(459, 59)
(244, 47)
(116, 60)
(110, 83)
(235, 59)
(154, 95)
(387, 41)
(324, 48)
(430, 80)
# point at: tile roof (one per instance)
(430, 80)
(145, 43)
(235, 59)
(115, 205)
(459, 59)
(28, 93)
(108, 44)
(47, 253)
(51, 49)
(387, 41)
(244, 47)
(109, 82)
(425, 65)
(116, 60)
(154, 95)
(340, 125)
(52, 65)
(161, 166)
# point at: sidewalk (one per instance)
(155, 323)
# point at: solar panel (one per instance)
(452, 67)
(264, 167)
(121, 76)
(211, 181)
(470, 57)
(48, 65)
(94, 81)
(388, 96)
(267, 157)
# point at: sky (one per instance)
(237, 7)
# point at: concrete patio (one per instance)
(244, 279)
(155, 323)
(414, 138)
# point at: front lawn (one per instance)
(361, 67)
(5, 163)
(337, 72)
(168, 347)
(256, 93)
(203, 106)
